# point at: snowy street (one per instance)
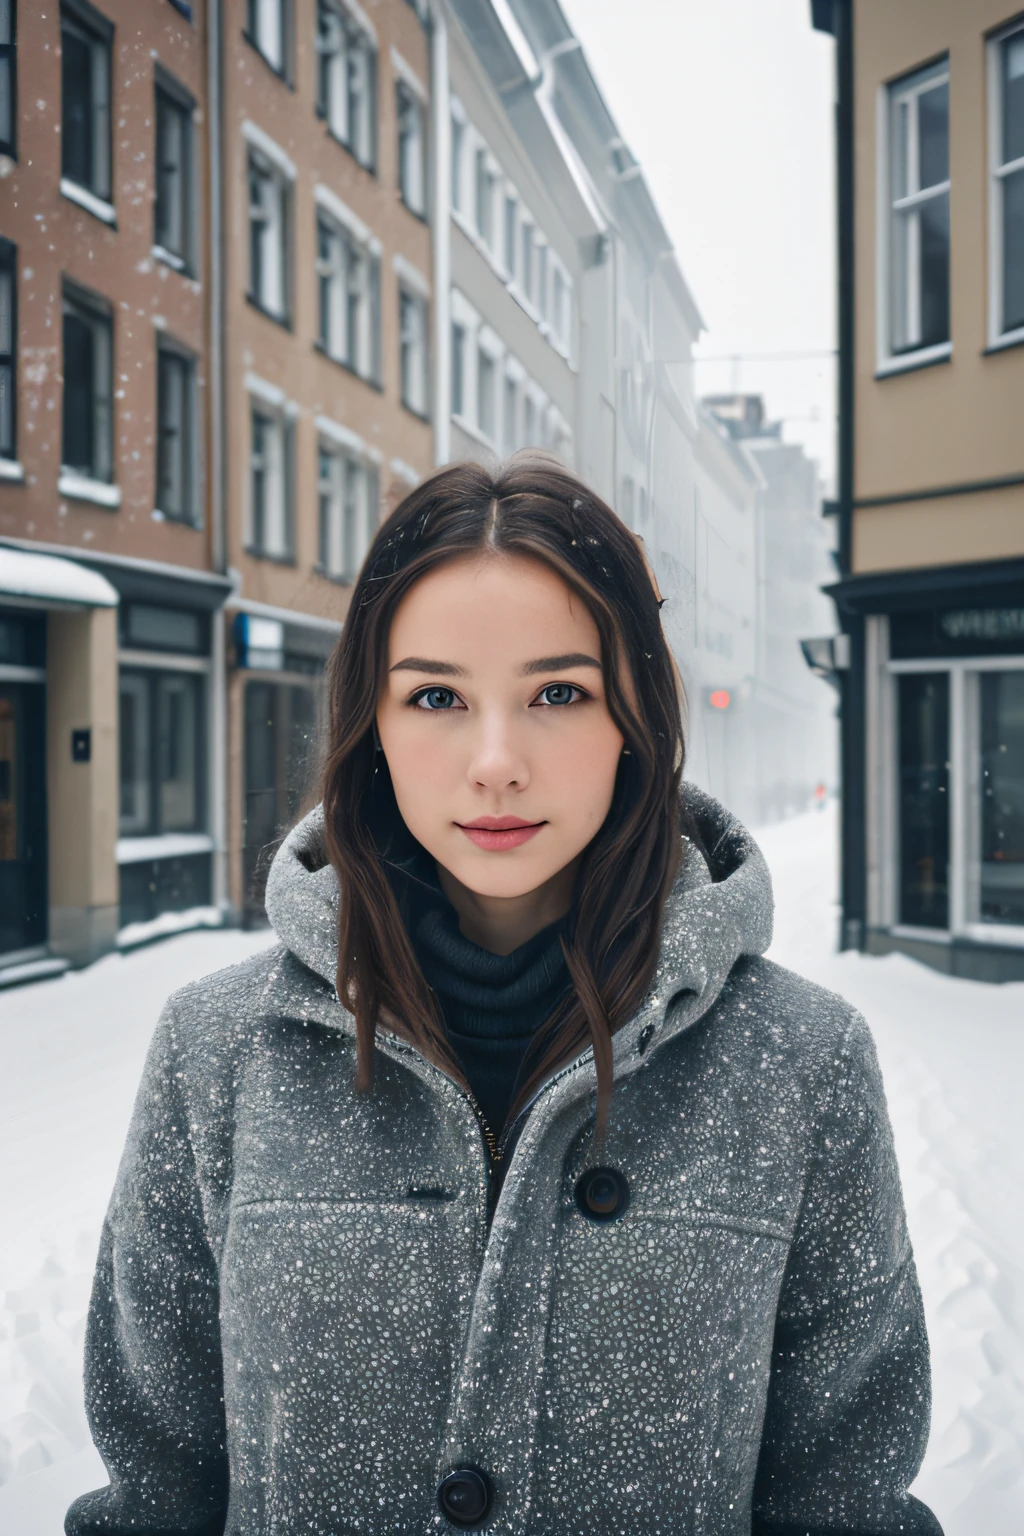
(952, 1053)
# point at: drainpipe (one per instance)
(218, 701)
(441, 232)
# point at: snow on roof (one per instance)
(53, 582)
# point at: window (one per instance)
(511, 216)
(8, 340)
(458, 146)
(486, 384)
(347, 80)
(923, 733)
(511, 413)
(161, 751)
(542, 280)
(529, 422)
(1007, 59)
(484, 198)
(271, 485)
(87, 443)
(348, 512)
(348, 275)
(919, 211)
(85, 40)
(269, 199)
(458, 370)
(173, 231)
(412, 314)
(526, 276)
(560, 309)
(8, 78)
(999, 857)
(176, 437)
(266, 30)
(411, 149)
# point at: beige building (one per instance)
(931, 503)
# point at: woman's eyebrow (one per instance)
(556, 663)
(422, 664)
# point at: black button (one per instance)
(602, 1194)
(465, 1496)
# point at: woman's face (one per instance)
(494, 722)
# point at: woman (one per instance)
(514, 1188)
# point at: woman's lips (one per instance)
(495, 834)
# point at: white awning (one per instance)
(47, 581)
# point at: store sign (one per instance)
(259, 643)
(983, 624)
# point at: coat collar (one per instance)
(719, 909)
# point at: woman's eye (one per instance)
(560, 693)
(436, 698)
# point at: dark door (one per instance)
(280, 764)
(22, 817)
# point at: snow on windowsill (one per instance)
(167, 924)
(82, 488)
(11, 470)
(97, 206)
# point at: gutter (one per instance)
(441, 233)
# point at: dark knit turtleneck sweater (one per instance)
(492, 1004)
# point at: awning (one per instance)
(47, 581)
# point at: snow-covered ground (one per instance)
(953, 1056)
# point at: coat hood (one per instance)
(719, 909)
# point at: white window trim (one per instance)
(997, 338)
(411, 276)
(97, 206)
(888, 362)
(405, 472)
(405, 72)
(340, 436)
(354, 11)
(342, 214)
(82, 488)
(12, 470)
(271, 395)
(168, 258)
(257, 139)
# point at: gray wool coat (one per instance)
(302, 1321)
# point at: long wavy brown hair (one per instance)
(530, 506)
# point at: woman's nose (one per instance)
(497, 760)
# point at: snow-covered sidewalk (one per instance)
(953, 1056)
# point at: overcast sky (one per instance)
(728, 106)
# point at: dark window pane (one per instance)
(6, 97)
(78, 118)
(935, 271)
(173, 192)
(1002, 791)
(178, 756)
(923, 800)
(458, 369)
(933, 136)
(1013, 98)
(280, 752)
(1013, 251)
(78, 450)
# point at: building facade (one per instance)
(931, 495)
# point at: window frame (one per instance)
(260, 163)
(97, 31)
(998, 170)
(168, 94)
(9, 357)
(280, 421)
(348, 467)
(9, 68)
(409, 299)
(913, 84)
(252, 35)
(409, 101)
(153, 680)
(357, 29)
(97, 312)
(357, 249)
(171, 354)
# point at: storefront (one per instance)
(943, 789)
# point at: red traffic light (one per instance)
(720, 698)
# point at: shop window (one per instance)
(87, 439)
(280, 770)
(347, 80)
(266, 29)
(1007, 244)
(145, 626)
(8, 344)
(1001, 873)
(923, 799)
(348, 497)
(413, 352)
(161, 753)
(85, 40)
(919, 189)
(8, 78)
(348, 278)
(174, 232)
(176, 489)
(269, 215)
(412, 147)
(271, 485)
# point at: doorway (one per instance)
(23, 917)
